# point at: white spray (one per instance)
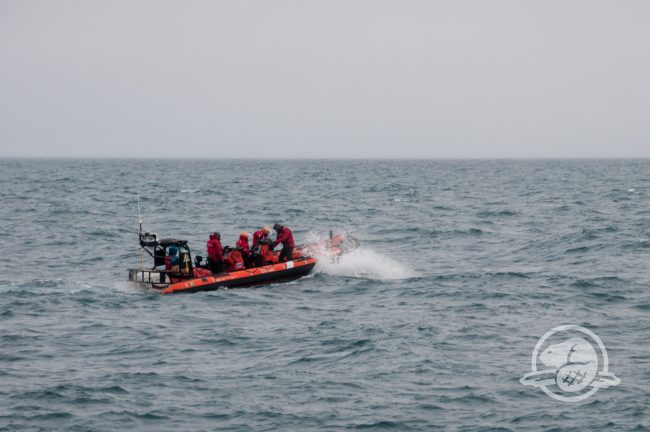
(362, 262)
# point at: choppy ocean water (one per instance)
(429, 326)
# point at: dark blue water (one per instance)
(463, 266)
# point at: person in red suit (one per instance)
(259, 235)
(284, 236)
(215, 253)
(242, 244)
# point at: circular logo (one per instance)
(575, 364)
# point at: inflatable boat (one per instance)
(168, 283)
(181, 274)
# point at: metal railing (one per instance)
(155, 277)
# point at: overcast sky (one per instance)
(326, 78)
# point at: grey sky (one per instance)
(330, 78)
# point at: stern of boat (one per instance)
(149, 278)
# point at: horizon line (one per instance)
(44, 158)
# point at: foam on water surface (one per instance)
(363, 263)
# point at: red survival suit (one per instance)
(259, 235)
(215, 254)
(286, 238)
(243, 244)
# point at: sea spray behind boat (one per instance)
(365, 263)
(360, 262)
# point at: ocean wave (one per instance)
(428, 325)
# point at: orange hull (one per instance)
(247, 277)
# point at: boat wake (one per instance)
(361, 262)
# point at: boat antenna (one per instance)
(140, 236)
(139, 215)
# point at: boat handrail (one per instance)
(155, 277)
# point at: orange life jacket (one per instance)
(198, 272)
(266, 253)
(234, 261)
